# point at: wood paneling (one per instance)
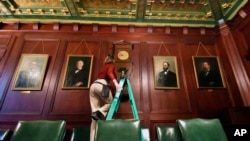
(5, 46)
(73, 99)
(155, 106)
(18, 102)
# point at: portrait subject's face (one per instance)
(32, 65)
(165, 66)
(206, 66)
(79, 64)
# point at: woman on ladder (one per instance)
(99, 104)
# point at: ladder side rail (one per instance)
(117, 99)
(132, 100)
(115, 103)
(114, 106)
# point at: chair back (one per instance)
(118, 130)
(146, 134)
(4, 134)
(80, 134)
(199, 129)
(39, 130)
(168, 133)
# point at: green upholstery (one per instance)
(118, 130)
(39, 130)
(146, 134)
(80, 134)
(198, 129)
(3, 134)
(168, 133)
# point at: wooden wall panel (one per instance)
(205, 102)
(135, 79)
(6, 41)
(155, 106)
(31, 101)
(243, 42)
(170, 100)
(76, 101)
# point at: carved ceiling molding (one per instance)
(192, 13)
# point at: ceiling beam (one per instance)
(216, 10)
(72, 7)
(141, 9)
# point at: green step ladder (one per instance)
(124, 82)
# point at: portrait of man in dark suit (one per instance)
(30, 72)
(165, 72)
(78, 72)
(166, 78)
(208, 72)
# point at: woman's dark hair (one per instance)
(110, 56)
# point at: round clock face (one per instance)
(123, 55)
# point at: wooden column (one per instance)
(238, 68)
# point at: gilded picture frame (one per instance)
(30, 72)
(77, 73)
(166, 72)
(208, 72)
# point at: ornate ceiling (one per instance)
(193, 13)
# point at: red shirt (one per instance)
(108, 72)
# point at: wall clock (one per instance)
(122, 53)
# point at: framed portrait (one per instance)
(165, 72)
(208, 72)
(30, 72)
(77, 73)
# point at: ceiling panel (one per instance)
(194, 13)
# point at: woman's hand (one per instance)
(117, 86)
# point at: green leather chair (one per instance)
(39, 130)
(4, 134)
(80, 134)
(118, 130)
(146, 134)
(168, 133)
(199, 129)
